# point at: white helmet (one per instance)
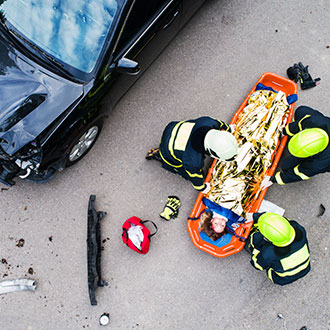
(220, 144)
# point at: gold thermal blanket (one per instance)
(234, 185)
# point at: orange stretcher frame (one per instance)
(278, 83)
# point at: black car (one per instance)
(58, 59)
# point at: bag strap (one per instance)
(125, 233)
(196, 218)
(143, 222)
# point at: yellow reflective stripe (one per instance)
(223, 124)
(270, 275)
(183, 136)
(198, 187)
(254, 259)
(294, 271)
(195, 175)
(298, 173)
(299, 123)
(255, 226)
(279, 179)
(171, 141)
(287, 130)
(161, 155)
(296, 258)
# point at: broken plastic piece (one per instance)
(20, 284)
(104, 319)
(322, 210)
(94, 249)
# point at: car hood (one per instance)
(31, 98)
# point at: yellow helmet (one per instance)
(308, 142)
(276, 229)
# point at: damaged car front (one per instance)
(48, 63)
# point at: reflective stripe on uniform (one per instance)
(254, 259)
(294, 271)
(195, 175)
(222, 123)
(279, 179)
(165, 161)
(269, 274)
(171, 141)
(295, 258)
(182, 137)
(199, 187)
(287, 130)
(298, 173)
(299, 123)
(293, 264)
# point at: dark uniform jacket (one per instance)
(283, 265)
(182, 147)
(304, 168)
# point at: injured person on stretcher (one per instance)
(217, 223)
(213, 225)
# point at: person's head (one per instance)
(213, 225)
(276, 229)
(308, 142)
(220, 144)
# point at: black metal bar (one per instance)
(94, 249)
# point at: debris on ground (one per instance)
(104, 319)
(20, 284)
(322, 210)
(20, 242)
(94, 249)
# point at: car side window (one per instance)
(141, 15)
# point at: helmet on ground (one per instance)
(220, 144)
(308, 142)
(276, 229)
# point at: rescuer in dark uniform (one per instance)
(280, 247)
(308, 147)
(184, 145)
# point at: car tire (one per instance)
(84, 143)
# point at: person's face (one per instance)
(218, 224)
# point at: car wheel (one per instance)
(84, 143)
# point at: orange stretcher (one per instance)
(236, 244)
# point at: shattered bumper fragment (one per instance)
(21, 284)
(235, 185)
(94, 249)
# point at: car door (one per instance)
(149, 27)
(189, 8)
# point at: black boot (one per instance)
(153, 154)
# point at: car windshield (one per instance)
(73, 31)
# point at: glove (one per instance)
(207, 188)
(249, 217)
(294, 72)
(171, 208)
(306, 80)
(265, 183)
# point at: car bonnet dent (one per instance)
(19, 81)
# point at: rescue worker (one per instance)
(184, 145)
(308, 147)
(280, 247)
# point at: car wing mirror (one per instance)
(127, 66)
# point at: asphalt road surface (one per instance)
(208, 69)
